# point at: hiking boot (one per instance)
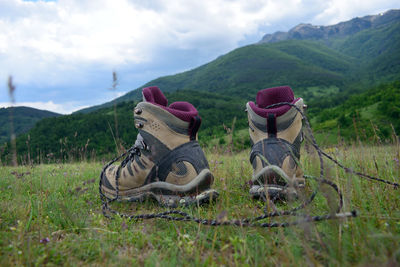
(166, 163)
(276, 136)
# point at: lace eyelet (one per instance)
(138, 111)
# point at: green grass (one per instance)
(61, 202)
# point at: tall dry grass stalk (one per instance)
(11, 90)
(230, 132)
(114, 88)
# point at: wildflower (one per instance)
(45, 240)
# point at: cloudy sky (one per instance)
(61, 54)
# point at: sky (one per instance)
(61, 54)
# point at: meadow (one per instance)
(50, 214)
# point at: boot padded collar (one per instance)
(183, 110)
(270, 96)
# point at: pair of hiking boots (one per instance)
(167, 164)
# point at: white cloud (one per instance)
(40, 39)
(342, 10)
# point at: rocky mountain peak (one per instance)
(308, 31)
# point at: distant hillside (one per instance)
(373, 115)
(344, 63)
(24, 119)
(244, 71)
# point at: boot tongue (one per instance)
(154, 95)
(269, 96)
(140, 142)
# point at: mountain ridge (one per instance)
(307, 31)
(24, 118)
(245, 70)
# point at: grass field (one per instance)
(51, 215)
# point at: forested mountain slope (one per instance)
(24, 118)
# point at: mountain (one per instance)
(24, 118)
(340, 59)
(343, 29)
(244, 71)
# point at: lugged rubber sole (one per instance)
(275, 191)
(196, 192)
(173, 201)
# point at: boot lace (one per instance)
(134, 151)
